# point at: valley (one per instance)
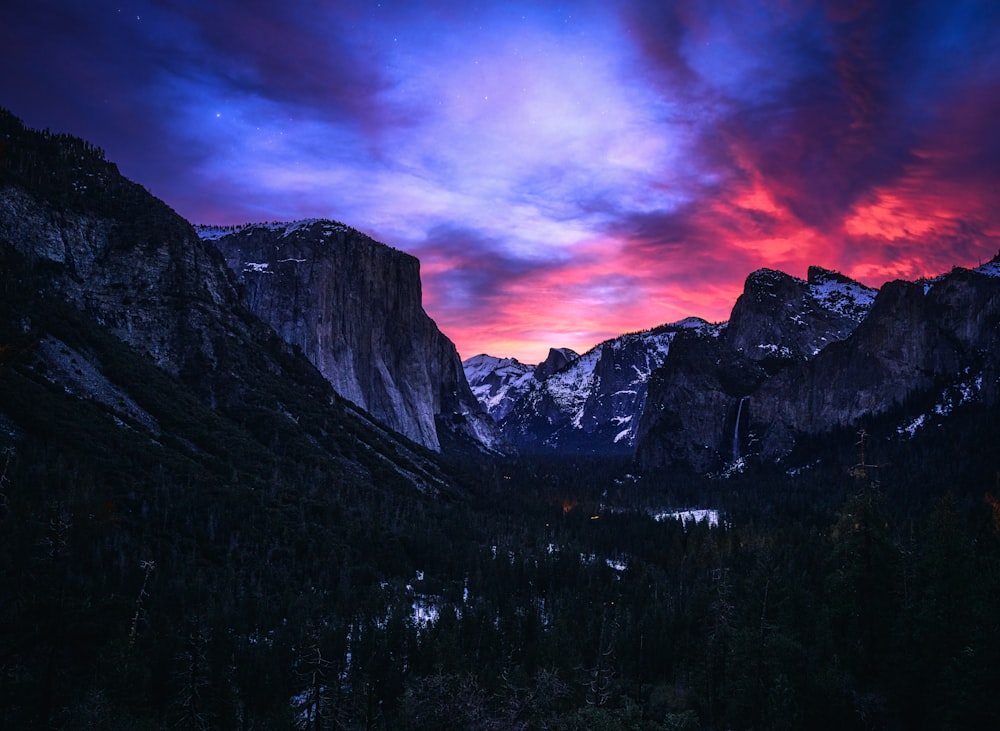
(245, 482)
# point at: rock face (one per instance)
(804, 357)
(780, 319)
(592, 404)
(353, 306)
(88, 255)
(698, 406)
(555, 361)
(123, 258)
(917, 339)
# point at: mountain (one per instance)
(353, 306)
(555, 361)
(801, 358)
(499, 382)
(117, 316)
(196, 531)
(938, 340)
(592, 403)
(780, 319)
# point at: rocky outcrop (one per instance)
(842, 357)
(779, 318)
(555, 361)
(699, 404)
(354, 308)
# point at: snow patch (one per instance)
(286, 228)
(990, 269)
(692, 515)
(961, 392)
(616, 563)
(848, 298)
(426, 611)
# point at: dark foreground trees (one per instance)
(165, 603)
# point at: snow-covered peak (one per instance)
(214, 233)
(990, 268)
(837, 293)
(698, 325)
(571, 385)
(690, 323)
(497, 382)
(482, 365)
(594, 402)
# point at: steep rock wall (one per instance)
(713, 402)
(353, 306)
(702, 399)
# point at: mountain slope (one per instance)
(592, 405)
(353, 306)
(497, 382)
(88, 254)
(802, 358)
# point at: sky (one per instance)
(565, 171)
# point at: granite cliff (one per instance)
(353, 306)
(801, 358)
(88, 255)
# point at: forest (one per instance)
(542, 595)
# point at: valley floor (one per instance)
(555, 594)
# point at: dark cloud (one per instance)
(288, 52)
(691, 246)
(474, 269)
(562, 172)
(833, 113)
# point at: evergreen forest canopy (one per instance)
(233, 573)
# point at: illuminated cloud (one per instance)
(565, 173)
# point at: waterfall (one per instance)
(736, 431)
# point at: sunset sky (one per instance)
(565, 171)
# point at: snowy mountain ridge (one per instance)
(595, 403)
(209, 232)
(497, 382)
(590, 404)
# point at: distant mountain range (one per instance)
(797, 358)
